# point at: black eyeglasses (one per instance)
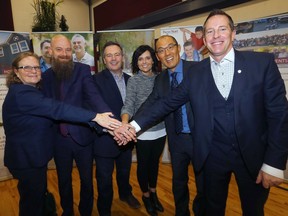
(30, 68)
(161, 50)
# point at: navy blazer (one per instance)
(162, 89)
(105, 145)
(28, 125)
(79, 91)
(260, 105)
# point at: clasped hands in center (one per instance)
(124, 134)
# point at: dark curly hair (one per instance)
(138, 52)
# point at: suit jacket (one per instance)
(162, 89)
(79, 91)
(28, 125)
(260, 110)
(105, 145)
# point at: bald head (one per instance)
(61, 48)
(60, 40)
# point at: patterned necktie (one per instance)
(178, 113)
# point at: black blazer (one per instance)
(105, 145)
(160, 91)
(80, 91)
(260, 110)
(28, 125)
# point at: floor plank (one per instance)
(277, 204)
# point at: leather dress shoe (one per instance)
(149, 207)
(131, 201)
(155, 202)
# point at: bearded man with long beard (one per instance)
(63, 67)
(72, 83)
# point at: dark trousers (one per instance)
(32, 186)
(148, 154)
(66, 150)
(181, 158)
(217, 173)
(104, 171)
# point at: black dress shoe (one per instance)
(131, 201)
(155, 202)
(149, 207)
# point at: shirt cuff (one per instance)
(272, 171)
(135, 125)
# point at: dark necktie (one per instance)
(178, 113)
(63, 127)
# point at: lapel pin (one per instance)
(239, 71)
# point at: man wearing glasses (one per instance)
(240, 119)
(177, 123)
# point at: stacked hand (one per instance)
(124, 134)
(106, 120)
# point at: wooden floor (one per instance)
(277, 204)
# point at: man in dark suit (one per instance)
(28, 122)
(72, 83)
(179, 138)
(240, 119)
(111, 83)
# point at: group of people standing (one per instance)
(239, 121)
(48, 103)
(227, 114)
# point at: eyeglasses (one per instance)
(170, 47)
(30, 68)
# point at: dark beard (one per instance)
(63, 70)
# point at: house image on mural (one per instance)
(11, 44)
